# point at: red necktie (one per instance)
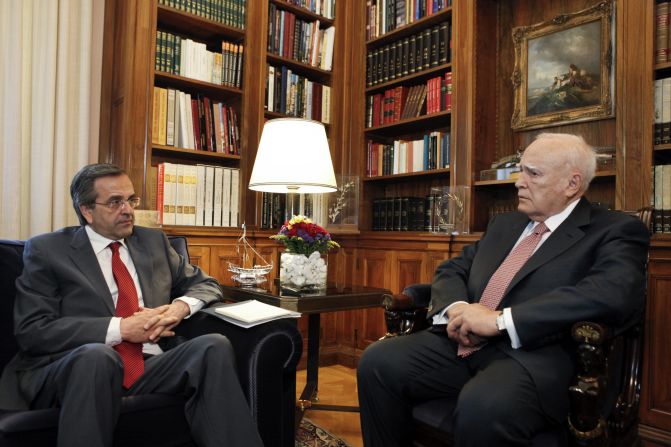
(500, 280)
(127, 304)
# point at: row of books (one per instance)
(194, 122)
(300, 40)
(662, 35)
(278, 208)
(404, 102)
(228, 12)
(408, 214)
(295, 95)
(191, 59)
(198, 195)
(662, 199)
(433, 151)
(383, 16)
(325, 8)
(415, 53)
(662, 123)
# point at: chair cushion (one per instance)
(435, 418)
(38, 428)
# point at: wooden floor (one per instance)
(337, 386)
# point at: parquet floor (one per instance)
(337, 386)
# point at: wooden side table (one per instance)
(336, 297)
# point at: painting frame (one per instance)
(574, 96)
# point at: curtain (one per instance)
(51, 53)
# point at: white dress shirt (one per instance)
(552, 223)
(103, 253)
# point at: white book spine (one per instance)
(200, 194)
(235, 196)
(209, 195)
(191, 195)
(216, 204)
(169, 186)
(226, 199)
(179, 196)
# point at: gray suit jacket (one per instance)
(592, 267)
(63, 302)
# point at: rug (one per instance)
(310, 435)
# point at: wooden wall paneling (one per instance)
(432, 260)
(634, 103)
(200, 255)
(409, 268)
(221, 255)
(253, 100)
(655, 410)
(375, 266)
(128, 129)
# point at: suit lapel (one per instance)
(142, 260)
(562, 239)
(85, 259)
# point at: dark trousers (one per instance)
(497, 402)
(86, 385)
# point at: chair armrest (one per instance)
(405, 312)
(604, 396)
(266, 357)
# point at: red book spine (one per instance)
(196, 124)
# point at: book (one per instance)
(250, 313)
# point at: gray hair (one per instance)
(82, 188)
(578, 154)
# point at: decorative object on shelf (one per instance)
(303, 265)
(447, 213)
(248, 274)
(343, 205)
(564, 69)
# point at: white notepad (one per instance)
(250, 313)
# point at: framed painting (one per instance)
(564, 69)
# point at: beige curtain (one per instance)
(50, 69)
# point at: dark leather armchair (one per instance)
(604, 397)
(266, 357)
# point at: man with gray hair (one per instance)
(94, 307)
(502, 310)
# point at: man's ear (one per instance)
(574, 184)
(86, 212)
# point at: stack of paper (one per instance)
(250, 313)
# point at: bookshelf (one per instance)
(408, 109)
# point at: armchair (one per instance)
(604, 396)
(266, 357)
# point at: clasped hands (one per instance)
(149, 325)
(471, 324)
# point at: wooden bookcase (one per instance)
(409, 183)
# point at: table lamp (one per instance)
(294, 158)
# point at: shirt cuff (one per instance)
(441, 317)
(113, 336)
(510, 328)
(194, 304)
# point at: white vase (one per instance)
(303, 272)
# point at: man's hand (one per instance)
(471, 324)
(149, 325)
(133, 327)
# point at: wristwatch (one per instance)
(500, 323)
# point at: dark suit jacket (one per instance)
(592, 267)
(63, 302)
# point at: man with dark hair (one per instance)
(94, 307)
(501, 311)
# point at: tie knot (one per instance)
(540, 228)
(114, 246)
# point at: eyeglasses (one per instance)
(116, 204)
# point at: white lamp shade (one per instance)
(293, 156)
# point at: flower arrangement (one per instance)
(299, 235)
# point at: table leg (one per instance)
(310, 391)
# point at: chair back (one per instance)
(180, 245)
(11, 266)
